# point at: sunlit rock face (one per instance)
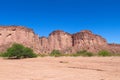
(18, 34)
(86, 40)
(57, 40)
(115, 48)
(60, 40)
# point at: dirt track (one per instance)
(61, 68)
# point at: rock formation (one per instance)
(58, 40)
(115, 48)
(22, 35)
(86, 40)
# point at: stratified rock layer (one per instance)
(86, 40)
(115, 48)
(21, 35)
(57, 40)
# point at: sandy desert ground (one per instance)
(61, 68)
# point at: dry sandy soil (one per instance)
(61, 68)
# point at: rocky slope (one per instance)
(58, 40)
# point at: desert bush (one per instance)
(89, 54)
(104, 53)
(18, 51)
(55, 53)
(83, 53)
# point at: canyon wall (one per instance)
(115, 48)
(57, 40)
(21, 35)
(86, 40)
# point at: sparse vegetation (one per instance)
(18, 51)
(104, 53)
(117, 54)
(42, 55)
(55, 53)
(83, 53)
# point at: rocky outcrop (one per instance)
(115, 48)
(86, 40)
(22, 35)
(58, 40)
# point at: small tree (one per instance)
(18, 51)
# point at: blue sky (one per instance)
(43, 16)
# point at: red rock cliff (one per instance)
(86, 40)
(59, 40)
(18, 34)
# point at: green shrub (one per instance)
(55, 53)
(104, 53)
(1, 54)
(83, 53)
(89, 54)
(18, 51)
